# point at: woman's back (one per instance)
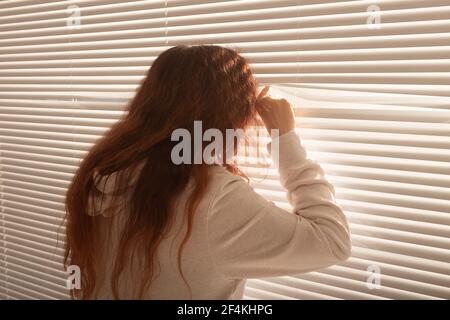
(236, 234)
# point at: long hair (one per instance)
(204, 83)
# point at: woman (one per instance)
(140, 226)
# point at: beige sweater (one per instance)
(237, 234)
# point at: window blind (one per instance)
(370, 81)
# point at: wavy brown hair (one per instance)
(208, 83)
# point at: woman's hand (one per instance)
(275, 113)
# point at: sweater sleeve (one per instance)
(250, 237)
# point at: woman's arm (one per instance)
(251, 237)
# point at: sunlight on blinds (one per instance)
(370, 81)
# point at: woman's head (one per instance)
(210, 84)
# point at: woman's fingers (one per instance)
(261, 102)
(275, 113)
(263, 92)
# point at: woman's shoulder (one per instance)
(225, 184)
(220, 176)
